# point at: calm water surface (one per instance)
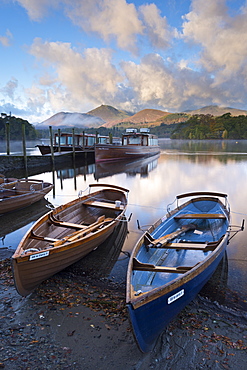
(183, 166)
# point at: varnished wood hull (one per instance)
(111, 152)
(167, 277)
(65, 235)
(22, 193)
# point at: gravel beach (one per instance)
(80, 322)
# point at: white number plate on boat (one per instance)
(176, 296)
(39, 255)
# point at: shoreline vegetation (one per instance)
(80, 322)
(174, 126)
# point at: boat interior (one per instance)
(178, 244)
(68, 224)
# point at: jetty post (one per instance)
(51, 144)
(24, 148)
(59, 140)
(5, 117)
(73, 143)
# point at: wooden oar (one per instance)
(81, 233)
(168, 237)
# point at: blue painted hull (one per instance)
(149, 320)
(151, 310)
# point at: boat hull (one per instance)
(149, 320)
(24, 193)
(46, 149)
(30, 273)
(66, 234)
(112, 153)
(173, 260)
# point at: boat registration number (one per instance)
(39, 255)
(176, 296)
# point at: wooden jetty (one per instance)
(9, 163)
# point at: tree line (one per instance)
(197, 127)
(15, 128)
(201, 127)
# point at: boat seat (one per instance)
(43, 238)
(193, 246)
(200, 215)
(137, 265)
(71, 225)
(96, 203)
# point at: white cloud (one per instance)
(37, 9)
(115, 19)
(223, 38)
(74, 81)
(10, 88)
(89, 76)
(5, 40)
(157, 29)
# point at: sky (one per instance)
(73, 56)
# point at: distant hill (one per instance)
(215, 110)
(65, 119)
(108, 116)
(108, 113)
(145, 116)
(172, 118)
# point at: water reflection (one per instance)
(131, 168)
(182, 167)
(206, 146)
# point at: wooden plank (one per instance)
(137, 265)
(193, 246)
(95, 203)
(43, 238)
(168, 237)
(202, 193)
(188, 216)
(57, 222)
(82, 233)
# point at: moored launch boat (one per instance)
(20, 193)
(173, 260)
(135, 145)
(66, 234)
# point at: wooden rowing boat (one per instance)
(173, 260)
(66, 234)
(20, 193)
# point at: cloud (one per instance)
(222, 37)
(162, 84)
(37, 9)
(10, 88)
(5, 40)
(74, 80)
(111, 20)
(156, 27)
(90, 76)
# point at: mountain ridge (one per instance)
(108, 116)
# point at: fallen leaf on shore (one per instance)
(70, 333)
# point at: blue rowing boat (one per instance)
(173, 260)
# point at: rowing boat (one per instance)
(173, 260)
(20, 193)
(66, 234)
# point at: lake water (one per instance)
(183, 166)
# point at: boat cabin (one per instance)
(142, 138)
(83, 140)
